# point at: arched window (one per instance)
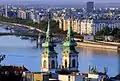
(44, 64)
(73, 63)
(53, 64)
(65, 63)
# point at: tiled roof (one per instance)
(12, 68)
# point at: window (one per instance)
(65, 63)
(53, 64)
(44, 64)
(73, 63)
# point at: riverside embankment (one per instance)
(101, 45)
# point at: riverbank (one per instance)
(21, 25)
(101, 45)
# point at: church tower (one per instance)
(49, 56)
(70, 55)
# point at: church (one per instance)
(68, 71)
(69, 56)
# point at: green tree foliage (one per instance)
(104, 32)
(116, 32)
(42, 25)
(107, 31)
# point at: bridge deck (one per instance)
(19, 34)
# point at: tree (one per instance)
(115, 32)
(104, 32)
(42, 25)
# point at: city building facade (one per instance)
(35, 76)
(88, 26)
(71, 77)
(21, 14)
(79, 26)
(99, 24)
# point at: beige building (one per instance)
(35, 76)
(78, 26)
(22, 14)
(65, 23)
(97, 77)
(86, 26)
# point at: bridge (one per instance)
(19, 34)
(27, 31)
(30, 34)
(24, 30)
(38, 37)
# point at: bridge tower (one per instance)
(39, 41)
(49, 55)
(70, 55)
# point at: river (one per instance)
(24, 52)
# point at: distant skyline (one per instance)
(56, 1)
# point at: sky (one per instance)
(59, 1)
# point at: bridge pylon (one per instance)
(39, 41)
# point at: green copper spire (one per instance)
(49, 45)
(70, 37)
(48, 33)
(70, 33)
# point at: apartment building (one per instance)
(78, 26)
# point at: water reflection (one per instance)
(23, 52)
(119, 63)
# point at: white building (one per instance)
(97, 77)
(99, 24)
(88, 26)
(71, 77)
